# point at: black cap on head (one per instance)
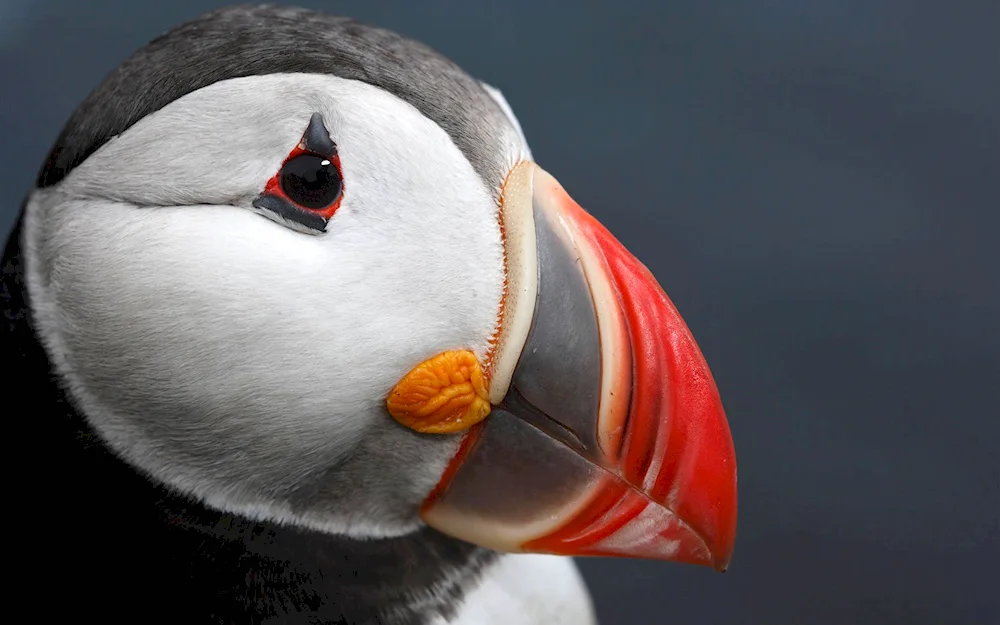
(264, 39)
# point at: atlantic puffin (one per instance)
(297, 331)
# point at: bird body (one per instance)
(242, 242)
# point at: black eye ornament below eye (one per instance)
(308, 189)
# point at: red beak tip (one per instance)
(721, 565)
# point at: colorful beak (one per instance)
(607, 436)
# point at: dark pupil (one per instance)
(310, 181)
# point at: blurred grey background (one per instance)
(817, 186)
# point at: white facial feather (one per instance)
(243, 362)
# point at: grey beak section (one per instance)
(557, 382)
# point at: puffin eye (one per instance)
(311, 181)
(307, 190)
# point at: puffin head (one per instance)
(307, 271)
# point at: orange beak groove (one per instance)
(607, 436)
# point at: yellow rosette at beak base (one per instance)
(442, 395)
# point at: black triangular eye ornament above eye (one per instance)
(308, 189)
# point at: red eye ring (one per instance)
(309, 181)
(309, 185)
